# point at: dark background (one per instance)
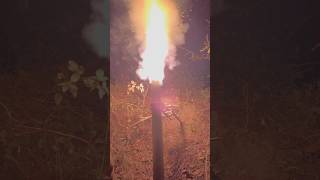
(36, 32)
(265, 80)
(265, 73)
(40, 140)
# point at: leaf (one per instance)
(73, 89)
(60, 76)
(90, 82)
(101, 92)
(81, 70)
(100, 75)
(140, 88)
(75, 77)
(131, 89)
(104, 86)
(73, 66)
(65, 87)
(58, 98)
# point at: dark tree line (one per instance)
(265, 81)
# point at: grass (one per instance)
(40, 140)
(186, 147)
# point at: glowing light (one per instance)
(156, 44)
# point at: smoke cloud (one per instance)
(96, 33)
(127, 34)
(177, 28)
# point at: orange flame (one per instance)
(156, 43)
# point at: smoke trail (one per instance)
(96, 33)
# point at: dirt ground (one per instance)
(40, 140)
(186, 144)
(276, 137)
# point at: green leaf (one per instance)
(73, 89)
(104, 86)
(73, 66)
(65, 87)
(100, 75)
(90, 82)
(81, 70)
(101, 92)
(58, 98)
(75, 77)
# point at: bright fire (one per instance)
(156, 47)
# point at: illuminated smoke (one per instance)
(96, 33)
(176, 29)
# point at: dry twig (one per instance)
(56, 133)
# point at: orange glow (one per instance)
(156, 45)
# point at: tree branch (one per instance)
(56, 133)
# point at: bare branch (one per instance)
(141, 120)
(56, 133)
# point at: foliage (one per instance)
(39, 140)
(206, 47)
(203, 54)
(71, 84)
(133, 85)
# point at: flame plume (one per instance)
(156, 43)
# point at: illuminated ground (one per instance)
(186, 148)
